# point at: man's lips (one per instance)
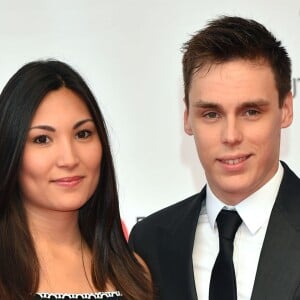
(234, 160)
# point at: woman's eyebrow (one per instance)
(79, 123)
(52, 129)
(44, 127)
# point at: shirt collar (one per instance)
(259, 204)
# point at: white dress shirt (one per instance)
(255, 212)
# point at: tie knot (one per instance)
(228, 223)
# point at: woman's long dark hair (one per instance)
(99, 219)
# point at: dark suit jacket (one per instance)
(165, 241)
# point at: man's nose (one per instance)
(231, 131)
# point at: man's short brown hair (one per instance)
(230, 38)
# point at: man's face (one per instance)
(236, 121)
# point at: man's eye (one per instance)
(211, 115)
(41, 139)
(252, 112)
(83, 134)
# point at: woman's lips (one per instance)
(68, 181)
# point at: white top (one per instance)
(97, 295)
(255, 212)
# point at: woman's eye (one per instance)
(83, 134)
(41, 139)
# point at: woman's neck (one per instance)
(53, 227)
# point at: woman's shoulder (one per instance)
(99, 295)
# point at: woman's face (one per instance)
(61, 161)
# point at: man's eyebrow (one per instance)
(214, 105)
(205, 104)
(52, 129)
(255, 103)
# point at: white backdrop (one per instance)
(129, 53)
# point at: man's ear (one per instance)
(287, 111)
(187, 127)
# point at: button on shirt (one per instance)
(255, 212)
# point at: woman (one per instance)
(60, 229)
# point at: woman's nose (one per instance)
(67, 155)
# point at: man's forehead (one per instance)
(204, 69)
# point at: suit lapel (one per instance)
(278, 270)
(177, 248)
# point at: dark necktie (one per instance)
(222, 281)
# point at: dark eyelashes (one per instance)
(41, 139)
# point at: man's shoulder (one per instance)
(287, 201)
(171, 215)
(174, 208)
(290, 182)
(289, 174)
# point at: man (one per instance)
(238, 97)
